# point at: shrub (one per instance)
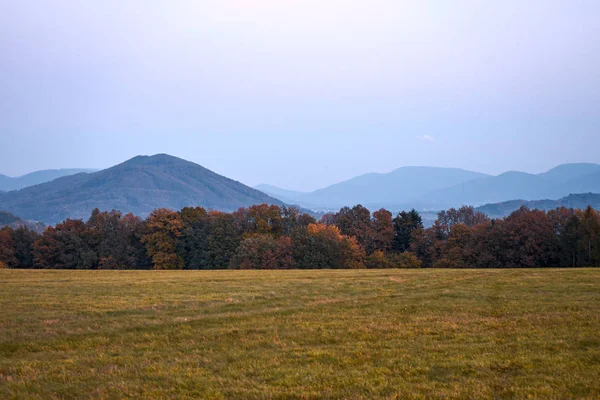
(405, 260)
(378, 259)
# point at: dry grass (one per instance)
(300, 334)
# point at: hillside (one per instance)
(554, 184)
(585, 183)
(289, 196)
(10, 220)
(431, 188)
(397, 187)
(138, 186)
(581, 201)
(35, 178)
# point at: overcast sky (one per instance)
(300, 93)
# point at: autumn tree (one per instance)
(328, 219)
(266, 219)
(7, 249)
(428, 244)
(65, 246)
(264, 251)
(115, 239)
(486, 249)
(382, 231)
(293, 218)
(192, 245)
(225, 237)
(323, 246)
(163, 228)
(465, 215)
(355, 222)
(454, 250)
(23, 239)
(528, 240)
(589, 236)
(378, 259)
(566, 223)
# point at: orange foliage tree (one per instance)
(323, 246)
(163, 228)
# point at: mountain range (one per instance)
(144, 183)
(8, 183)
(139, 186)
(553, 184)
(398, 187)
(429, 188)
(576, 201)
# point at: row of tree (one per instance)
(270, 237)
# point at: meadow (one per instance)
(430, 333)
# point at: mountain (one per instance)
(288, 196)
(138, 186)
(35, 178)
(567, 172)
(584, 183)
(7, 218)
(10, 220)
(398, 187)
(429, 188)
(581, 201)
(554, 184)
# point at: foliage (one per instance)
(381, 232)
(65, 246)
(465, 215)
(355, 222)
(264, 251)
(378, 259)
(192, 245)
(405, 226)
(116, 239)
(272, 237)
(406, 260)
(163, 228)
(324, 246)
(225, 237)
(23, 240)
(7, 248)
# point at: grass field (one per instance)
(300, 334)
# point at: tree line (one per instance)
(271, 237)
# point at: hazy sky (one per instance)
(300, 93)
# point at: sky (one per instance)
(300, 93)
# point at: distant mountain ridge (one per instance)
(429, 188)
(138, 185)
(556, 183)
(379, 189)
(144, 183)
(8, 183)
(282, 194)
(576, 201)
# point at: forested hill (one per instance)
(576, 201)
(8, 183)
(12, 221)
(139, 186)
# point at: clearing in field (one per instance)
(300, 334)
